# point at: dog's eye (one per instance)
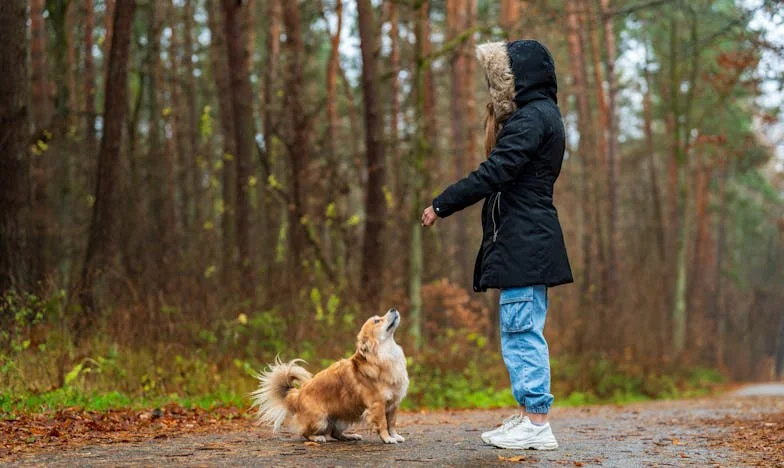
(376, 320)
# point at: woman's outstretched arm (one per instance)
(517, 144)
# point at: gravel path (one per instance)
(671, 433)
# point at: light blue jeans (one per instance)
(527, 358)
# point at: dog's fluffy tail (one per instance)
(276, 395)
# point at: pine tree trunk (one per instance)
(108, 26)
(42, 95)
(156, 155)
(298, 144)
(332, 87)
(89, 75)
(579, 77)
(271, 70)
(395, 156)
(242, 109)
(511, 13)
(459, 19)
(180, 119)
(375, 202)
(101, 242)
(421, 148)
(220, 71)
(613, 234)
(193, 172)
(717, 304)
(14, 134)
(43, 109)
(71, 48)
(250, 32)
(658, 220)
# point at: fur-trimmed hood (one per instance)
(517, 72)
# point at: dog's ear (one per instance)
(365, 345)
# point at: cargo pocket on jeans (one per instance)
(517, 310)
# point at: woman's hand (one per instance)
(429, 217)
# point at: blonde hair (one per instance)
(491, 128)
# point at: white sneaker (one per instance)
(507, 424)
(526, 435)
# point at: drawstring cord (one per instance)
(496, 202)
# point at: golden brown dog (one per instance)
(372, 382)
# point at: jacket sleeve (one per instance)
(517, 144)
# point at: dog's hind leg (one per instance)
(391, 419)
(378, 417)
(337, 432)
(313, 426)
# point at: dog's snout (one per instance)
(393, 311)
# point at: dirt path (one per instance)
(676, 433)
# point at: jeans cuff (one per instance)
(538, 409)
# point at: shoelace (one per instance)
(512, 421)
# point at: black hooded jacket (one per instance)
(522, 241)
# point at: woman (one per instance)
(523, 251)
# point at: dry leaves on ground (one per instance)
(760, 438)
(72, 427)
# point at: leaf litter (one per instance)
(74, 427)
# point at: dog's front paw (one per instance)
(388, 439)
(398, 437)
(351, 436)
(317, 438)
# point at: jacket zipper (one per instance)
(496, 203)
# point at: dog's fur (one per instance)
(371, 383)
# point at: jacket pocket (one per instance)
(517, 310)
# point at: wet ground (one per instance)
(669, 433)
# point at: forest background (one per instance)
(189, 188)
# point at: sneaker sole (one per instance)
(542, 446)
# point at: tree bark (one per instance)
(579, 77)
(242, 109)
(459, 19)
(613, 233)
(43, 109)
(157, 155)
(42, 90)
(250, 32)
(270, 121)
(89, 75)
(653, 172)
(193, 172)
(108, 22)
(71, 49)
(332, 86)
(395, 157)
(101, 241)
(421, 147)
(511, 13)
(220, 71)
(14, 134)
(298, 138)
(271, 70)
(375, 202)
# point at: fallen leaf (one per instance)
(312, 444)
(683, 455)
(516, 459)
(676, 442)
(578, 463)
